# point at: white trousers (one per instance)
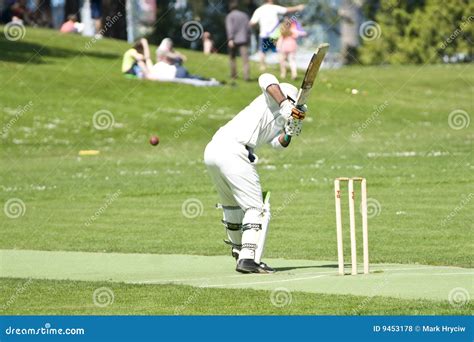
(234, 176)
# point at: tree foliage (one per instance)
(170, 20)
(420, 32)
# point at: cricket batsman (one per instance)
(272, 118)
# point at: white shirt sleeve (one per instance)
(265, 80)
(255, 17)
(280, 9)
(275, 143)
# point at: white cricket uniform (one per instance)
(227, 155)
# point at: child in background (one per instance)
(207, 43)
(287, 46)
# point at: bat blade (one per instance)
(311, 73)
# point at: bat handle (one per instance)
(298, 113)
(300, 107)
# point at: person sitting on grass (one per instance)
(169, 64)
(71, 25)
(136, 61)
(166, 55)
(166, 52)
(20, 13)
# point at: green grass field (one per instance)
(397, 132)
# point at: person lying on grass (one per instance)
(169, 64)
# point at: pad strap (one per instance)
(232, 226)
(227, 242)
(251, 246)
(248, 226)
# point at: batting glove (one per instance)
(288, 109)
(293, 126)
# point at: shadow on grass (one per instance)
(302, 267)
(27, 52)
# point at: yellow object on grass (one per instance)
(88, 152)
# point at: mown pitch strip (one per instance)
(392, 280)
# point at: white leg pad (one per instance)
(251, 226)
(232, 219)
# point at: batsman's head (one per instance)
(290, 91)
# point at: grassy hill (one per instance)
(396, 131)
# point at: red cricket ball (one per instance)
(154, 140)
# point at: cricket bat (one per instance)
(311, 73)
